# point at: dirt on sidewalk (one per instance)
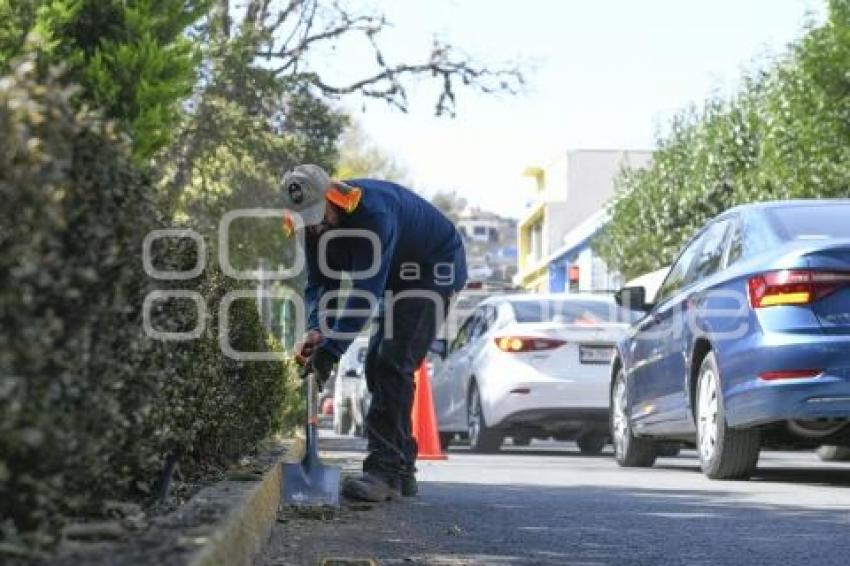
(361, 533)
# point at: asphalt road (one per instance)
(546, 504)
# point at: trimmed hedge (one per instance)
(90, 408)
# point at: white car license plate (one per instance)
(595, 354)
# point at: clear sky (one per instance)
(602, 74)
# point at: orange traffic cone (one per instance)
(424, 419)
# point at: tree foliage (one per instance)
(786, 134)
(245, 128)
(360, 157)
(450, 203)
(133, 59)
(17, 18)
(289, 35)
(261, 108)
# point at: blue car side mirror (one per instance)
(632, 298)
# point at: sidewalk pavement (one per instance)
(348, 536)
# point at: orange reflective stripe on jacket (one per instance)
(346, 198)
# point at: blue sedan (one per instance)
(747, 343)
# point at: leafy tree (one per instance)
(262, 108)
(246, 127)
(449, 203)
(786, 134)
(133, 58)
(17, 18)
(359, 157)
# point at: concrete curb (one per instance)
(242, 534)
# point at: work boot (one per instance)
(372, 487)
(409, 486)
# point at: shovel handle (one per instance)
(311, 452)
(312, 399)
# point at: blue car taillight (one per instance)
(793, 287)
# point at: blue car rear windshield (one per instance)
(572, 312)
(815, 222)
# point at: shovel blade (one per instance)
(310, 485)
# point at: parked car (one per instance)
(351, 396)
(530, 366)
(479, 272)
(747, 344)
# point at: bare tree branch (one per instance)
(387, 83)
(302, 26)
(346, 24)
(285, 14)
(307, 19)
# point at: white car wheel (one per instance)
(591, 445)
(481, 437)
(521, 440)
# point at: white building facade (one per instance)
(566, 210)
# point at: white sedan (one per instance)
(530, 366)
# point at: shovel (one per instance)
(311, 483)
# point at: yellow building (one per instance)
(565, 196)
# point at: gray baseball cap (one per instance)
(304, 189)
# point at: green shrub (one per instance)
(90, 407)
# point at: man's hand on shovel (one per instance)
(321, 363)
(311, 357)
(305, 348)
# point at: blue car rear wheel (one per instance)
(725, 453)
